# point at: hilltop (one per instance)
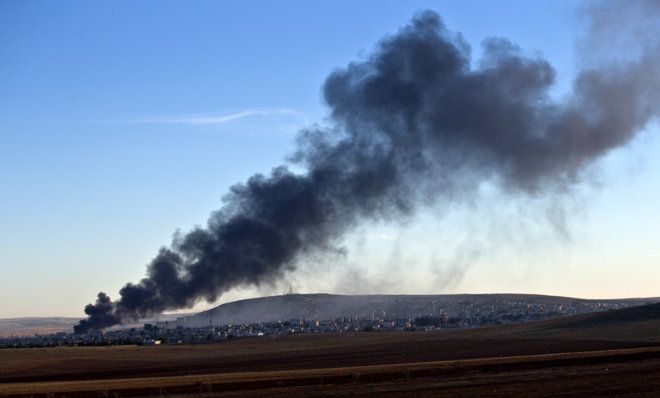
(330, 306)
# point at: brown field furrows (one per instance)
(611, 372)
(270, 354)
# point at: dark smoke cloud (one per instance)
(412, 123)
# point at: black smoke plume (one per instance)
(413, 122)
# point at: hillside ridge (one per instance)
(323, 306)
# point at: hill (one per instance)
(331, 306)
(639, 323)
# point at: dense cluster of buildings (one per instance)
(456, 315)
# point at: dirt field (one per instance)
(366, 364)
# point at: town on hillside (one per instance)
(444, 316)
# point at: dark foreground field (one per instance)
(552, 358)
(366, 364)
(627, 372)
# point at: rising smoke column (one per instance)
(411, 123)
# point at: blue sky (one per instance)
(122, 121)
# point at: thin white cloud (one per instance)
(210, 118)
